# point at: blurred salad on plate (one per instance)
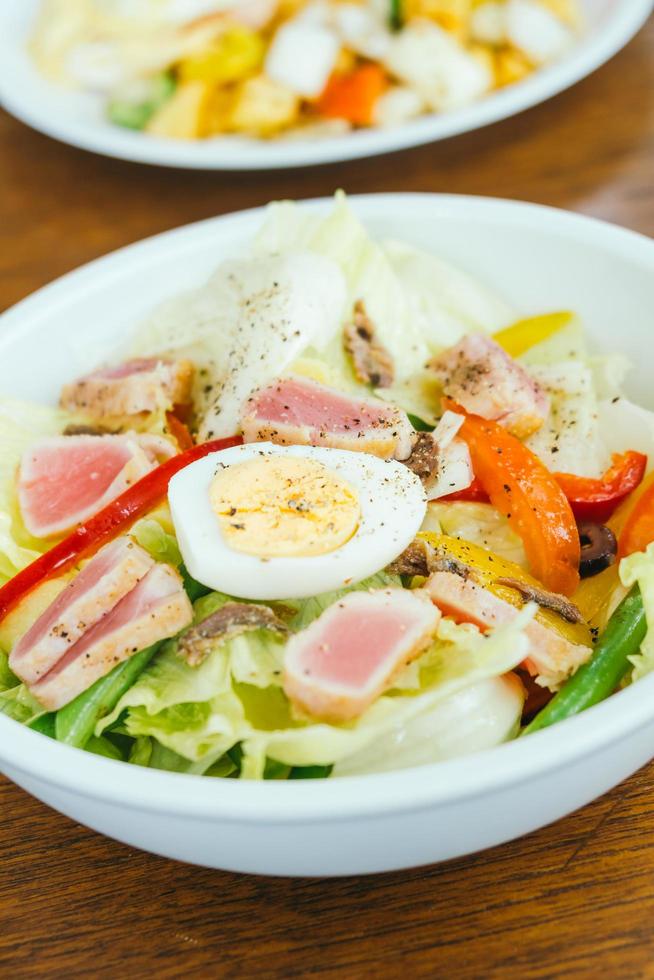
(340, 509)
(192, 69)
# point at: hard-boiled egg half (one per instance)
(262, 521)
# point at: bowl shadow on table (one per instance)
(540, 906)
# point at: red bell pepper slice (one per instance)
(595, 500)
(107, 524)
(591, 500)
(475, 493)
(638, 530)
(179, 431)
(522, 488)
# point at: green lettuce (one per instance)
(476, 717)
(195, 715)
(639, 568)
(7, 677)
(19, 704)
(459, 658)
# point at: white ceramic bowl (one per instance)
(540, 259)
(78, 118)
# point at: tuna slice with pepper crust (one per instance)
(296, 411)
(155, 609)
(481, 377)
(103, 582)
(351, 654)
(142, 385)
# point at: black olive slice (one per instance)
(598, 548)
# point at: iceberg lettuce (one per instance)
(639, 568)
(480, 523)
(418, 303)
(235, 697)
(476, 717)
(570, 441)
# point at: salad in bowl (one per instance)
(338, 510)
(193, 69)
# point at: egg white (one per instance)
(392, 502)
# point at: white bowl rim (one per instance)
(622, 23)
(437, 784)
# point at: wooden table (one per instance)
(573, 900)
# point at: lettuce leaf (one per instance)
(7, 678)
(570, 441)
(235, 696)
(418, 303)
(639, 568)
(368, 272)
(459, 658)
(19, 704)
(627, 426)
(476, 717)
(480, 523)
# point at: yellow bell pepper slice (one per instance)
(523, 334)
(489, 567)
(236, 55)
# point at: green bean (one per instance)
(310, 772)
(75, 723)
(45, 724)
(419, 424)
(102, 746)
(599, 676)
(396, 14)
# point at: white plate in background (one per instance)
(78, 118)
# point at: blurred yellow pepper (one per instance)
(263, 108)
(523, 334)
(510, 66)
(566, 10)
(489, 567)
(452, 15)
(234, 56)
(181, 116)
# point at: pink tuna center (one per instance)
(71, 480)
(353, 646)
(87, 579)
(293, 403)
(138, 604)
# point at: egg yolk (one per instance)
(284, 507)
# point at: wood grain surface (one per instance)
(573, 900)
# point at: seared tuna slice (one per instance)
(295, 411)
(142, 385)
(103, 582)
(481, 377)
(551, 658)
(347, 657)
(154, 610)
(64, 480)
